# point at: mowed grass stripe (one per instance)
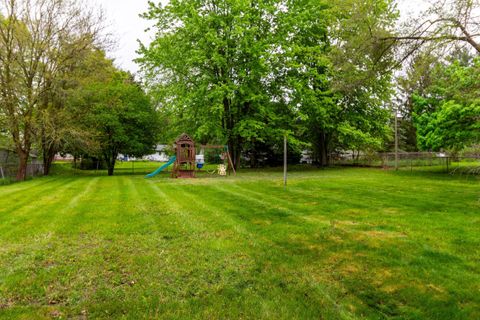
(392, 206)
(77, 210)
(336, 244)
(393, 211)
(37, 226)
(375, 214)
(201, 242)
(141, 220)
(27, 262)
(68, 212)
(171, 198)
(198, 250)
(253, 244)
(301, 205)
(10, 203)
(144, 212)
(272, 250)
(209, 207)
(27, 185)
(262, 245)
(402, 189)
(39, 214)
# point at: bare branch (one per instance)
(445, 24)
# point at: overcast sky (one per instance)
(125, 23)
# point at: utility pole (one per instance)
(396, 139)
(285, 161)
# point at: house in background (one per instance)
(159, 155)
(63, 157)
(306, 157)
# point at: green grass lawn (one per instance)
(337, 244)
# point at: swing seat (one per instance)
(199, 165)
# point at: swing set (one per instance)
(221, 158)
(187, 162)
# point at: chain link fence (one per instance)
(9, 171)
(413, 161)
(98, 167)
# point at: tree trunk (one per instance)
(22, 165)
(232, 141)
(327, 150)
(47, 164)
(235, 152)
(48, 156)
(237, 159)
(231, 147)
(323, 151)
(321, 155)
(253, 158)
(111, 159)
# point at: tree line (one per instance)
(249, 72)
(440, 87)
(330, 76)
(59, 92)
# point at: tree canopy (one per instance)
(248, 72)
(447, 112)
(120, 118)
(241, 73)
(40, 41)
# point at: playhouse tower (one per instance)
(185, 163)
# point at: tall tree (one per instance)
(447, 112)
(338, 75)
(452, 126)
(416, 80)
(39, 40)
(363, 69)
(59, 119)
(208, 65)
(446, 27)
(119, 116)
(248, 72)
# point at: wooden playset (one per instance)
(187, 162)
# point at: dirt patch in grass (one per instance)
(378, 234)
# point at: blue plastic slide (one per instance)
(154, 173)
